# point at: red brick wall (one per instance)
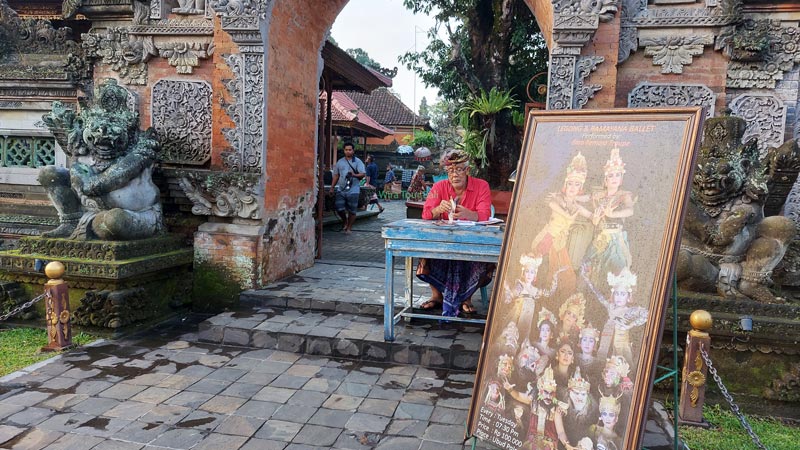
(605, 43)
(296, 34)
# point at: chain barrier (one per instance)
(734, 407)
(23, 307)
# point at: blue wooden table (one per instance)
(413, 238)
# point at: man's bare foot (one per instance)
(431, 304)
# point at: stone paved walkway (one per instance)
(167, 390)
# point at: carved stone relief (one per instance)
(574, 24)
(673, 52)
(763, 59)
(126, 50)
(223, 194)
(240, 19)
(181, 116)
(125, 54)
(766, 118)
(650, 95)
(635, 15)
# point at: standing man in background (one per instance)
(346, 178)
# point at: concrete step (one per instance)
(428, 343)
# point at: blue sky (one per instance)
(386, 29)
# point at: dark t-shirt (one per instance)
(372, 173)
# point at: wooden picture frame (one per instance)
(586, 268)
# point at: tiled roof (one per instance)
(387, 109)
(345, 112)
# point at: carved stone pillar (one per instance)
(574, 24)
(231, 253)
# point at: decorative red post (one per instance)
(58, 317)
(693, 387)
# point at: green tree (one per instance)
(444, 119)
(424, 110)
(489, 44)
(363, 58)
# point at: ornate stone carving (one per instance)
(96, 250)
(603, 9)
(567, 88)
(583, 92)
(766, 118)
(108, 192)
(673, 52)
(126, 50)
(184, 56)
(155, 9)
(190, 7)
(650, 95)
(31, 35)
(628, 33)
(125, 54)
(728, 245)
(114, 309)
(16, 263)
(728, 12)
(574, 24)
(766, 50)
(223, 194)
(247, 112)
(561, 91)
(181, 114)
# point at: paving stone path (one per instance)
(169, 391)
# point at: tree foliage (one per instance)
(363, 58)
(424, 109)
(488, 44)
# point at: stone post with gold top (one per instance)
(59, 328)
(693, 387)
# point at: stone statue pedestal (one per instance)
(112, 283)
(755, 365)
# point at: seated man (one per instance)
(464, 198)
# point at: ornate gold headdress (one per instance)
(527, 260)
(504, 361)
(625, 281)
(577, 382)
(619, 365)
(614, 163)
(576, 171)
(576, 303)
(609, 404)
(589, 331)
(545, 314)
(547, 383)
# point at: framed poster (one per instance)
(577, 309)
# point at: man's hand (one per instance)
(462, 213)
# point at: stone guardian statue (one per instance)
(728, 245)
(108, 192)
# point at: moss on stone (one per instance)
(215, 288)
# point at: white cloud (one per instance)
(385, 29)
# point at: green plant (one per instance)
(727, 432)
(478, 118)
(21, 347)
(423, 138)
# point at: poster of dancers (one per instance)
(579, 301)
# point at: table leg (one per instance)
(388, 304)
(409, 282)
